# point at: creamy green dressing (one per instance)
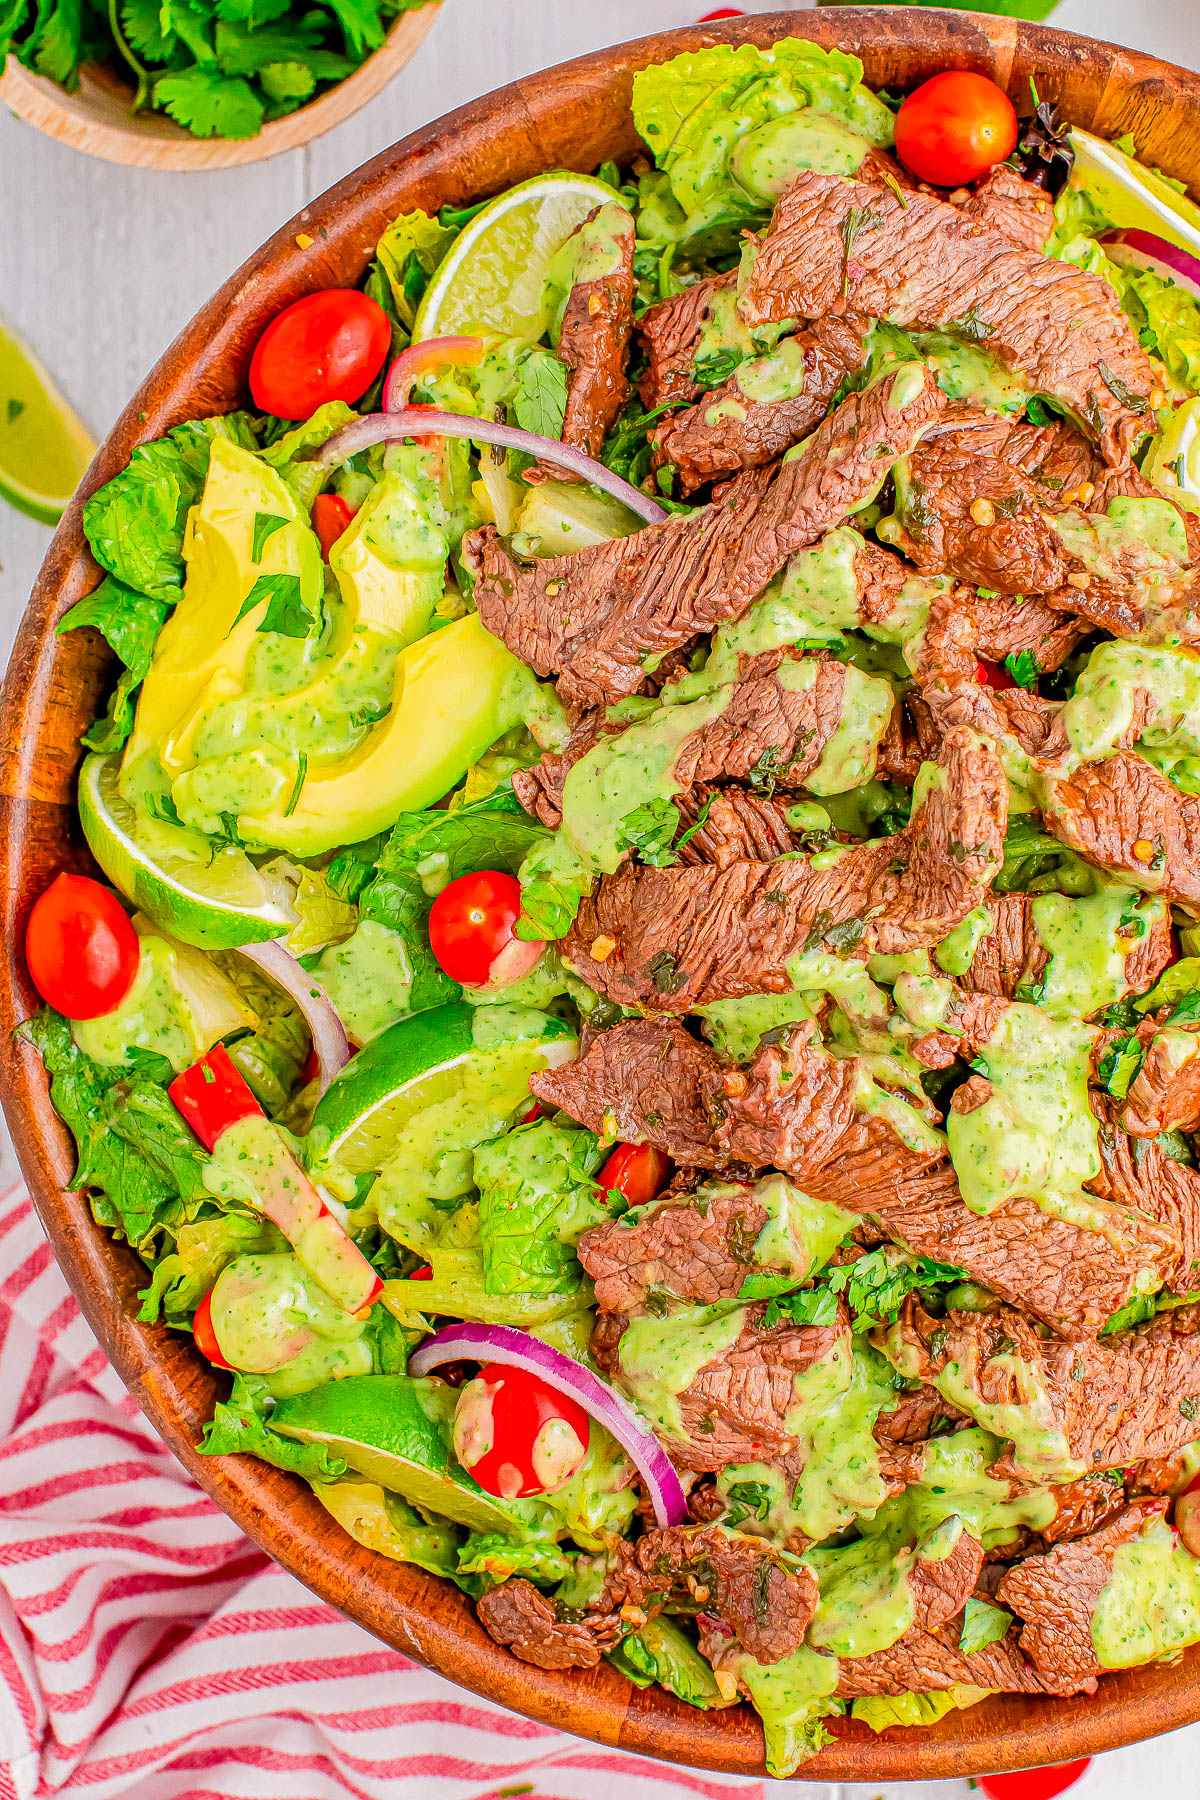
(788, 1695)
(777, 376)
(801, 1233)
(734, 1027)
(662, 1357)
(956, 952)
(1099, 716)
(848, 759)
(835, 1405)
(1151, 531)
(1150, 1609)
(966, 372)
(273, 1319)
(368, 978)
(768, 159)
(593, 253)
(179, 1006)
(1174, 461)
(1089, 940)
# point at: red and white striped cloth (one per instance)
(149, 1651)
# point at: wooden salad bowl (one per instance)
(97, 118)
(574, 117)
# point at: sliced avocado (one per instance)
(456, 692)
(202, 647)
(390, 561)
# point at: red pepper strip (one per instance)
(212, 1096)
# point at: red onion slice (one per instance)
(431, 353)
(505, 1344)
(419, 422)
(320, 1015)
(1145, 250)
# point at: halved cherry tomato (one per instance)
(205, 1336)
(330, 517)
(81, 949)
(516, 1434)
(638, 1171)
(955, 127)
(994, 675)
(212, 1096)
(471, 930)
(328, 346)
(1034, 1784)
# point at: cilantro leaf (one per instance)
(650, 830)
(1024, 668)
(209, 104)
(876, 1284)
(983, 1624)
(540, 401)
(286, 611)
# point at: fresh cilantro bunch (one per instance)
(220, 68)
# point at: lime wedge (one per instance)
(1132, 195)
(396, 1430)
(418, 1064)
(44, 449)
(212, 899)
(492, 276)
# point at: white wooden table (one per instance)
(100, 266)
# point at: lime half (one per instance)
(492, 276)
(44, 449)
(421, 1062)
(1132, 195)
(214, 899)
(395, 1430)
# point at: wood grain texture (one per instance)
(97, 119)
(570, 117)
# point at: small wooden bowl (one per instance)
(569, 117)
(96, 118)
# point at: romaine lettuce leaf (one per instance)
(916, 1709)
(236, 1428)
(661, 1651)
(408, 252)
(536, 1196)
(202, 1248)
(693, 110)
(131, 623)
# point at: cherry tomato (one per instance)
(330, 517)
(638, 1171)
(954, 128)
(328, 346)
(425, 1274)
(994, 675)
(205, 1336)
(81, 949)
(471, 930)
(516, 1434)
(1034, 1784)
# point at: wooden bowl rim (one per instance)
(153, 140)
(52, 683)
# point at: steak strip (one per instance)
(594, 343)
(597, 616)
(838, 246)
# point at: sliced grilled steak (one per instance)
(1018, 210)
(737, 1406)
(1137, 1173)
(837, 246)
(765, 1598)
(688, 936)
(1164, 1095)
(1084, 1506)
(729, 429)
(650, 1082)
(1088, 1406)
(1057, 1594)
(928, 1661)
(1122, 814)
(698, 1248)
(595, 332)
(732, 826)
(597, 615)
(1007, 626)
(517, 1615)
(915, 1417)
(1012, 954)
(670, 335)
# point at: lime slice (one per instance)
(421, 1062)
(214, 900)
(1132, 195)
(44, 449)
(491, 278)
(397, 1431)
